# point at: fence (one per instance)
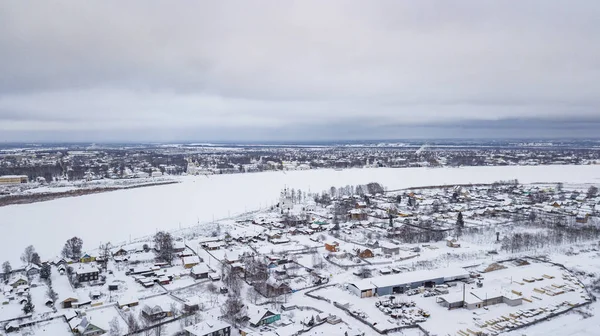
(317, 297)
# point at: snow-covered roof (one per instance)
(449, 273)
(191, 260)
(85, 269)
(200, 268)
(17, 278)
(206, 327)
(255, 316)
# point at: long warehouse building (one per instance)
(399, 283)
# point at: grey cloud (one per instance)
(122, 68)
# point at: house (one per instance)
(120, 252)
(86, 273)
(389, 248)
(58, 262)
(332, 246)
(581, 218)
(95, 295)
(178, 246)
(13, 179)
(31, 270)
(192, 305)
(86, 258)
(17, 281)
(262, 316)
(81, 326)
(164, 280)
(277, 287)
(452, 242)
(200, 271)
(22, 290)
(212, 246)
(366, 253)
(11, 326)
(191, 261)
(69, 301)
(131, 302)
(155, 313)
(357, 214)
(373, 243)
(209, 328)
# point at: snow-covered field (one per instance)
(115, 216)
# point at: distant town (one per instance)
(79, 169)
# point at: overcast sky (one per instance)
(298, 70)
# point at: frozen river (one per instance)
(115, 216)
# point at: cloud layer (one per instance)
(297, 70)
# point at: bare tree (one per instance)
(175, 309)
(253, 295)
(317, 261)
(234, 310)
(232, 280)
(36, 259)
(52, 295)
(114, 327)
(105, 253)
(72, 248)
(157, 330)
(211, 287)
(28, 307)
(592, 191)
(28, 255)
(365, 272)
(6, 270)
(214, 294)
(164, 246)
(132, 323)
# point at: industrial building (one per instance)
(479, 298)
(399, 283)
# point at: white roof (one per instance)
(472, 299)
(191, 260)
(200, 268)
(206, 327)
(453, 298)
(388, 245)
(85, 268)
(411, 277)
(256, 315)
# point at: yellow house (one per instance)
(18, 281)
(13, 179)
(86, 258)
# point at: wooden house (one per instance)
(262, 316)
(191, 261)
(366, 253)
(332, 246)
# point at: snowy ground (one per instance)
(114, 216)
